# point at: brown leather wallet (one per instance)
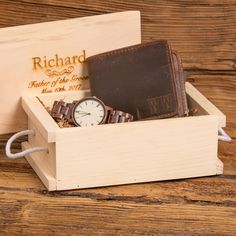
(145, 80)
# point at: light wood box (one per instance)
(114, 154)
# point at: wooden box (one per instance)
(113, 154)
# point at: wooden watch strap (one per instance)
(62, 109)
(119, 117)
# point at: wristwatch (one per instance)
(88, 112)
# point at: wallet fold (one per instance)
(145, 80)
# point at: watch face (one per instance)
(88, 112)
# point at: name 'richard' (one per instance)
(57, 62)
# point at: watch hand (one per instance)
(81, 116)
(86, 114)
(83, 112)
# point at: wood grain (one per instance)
(204, 33)
(88, 216)
(56, 41)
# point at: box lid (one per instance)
(49, 57)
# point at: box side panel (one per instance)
(136, 152)
(50, 57)
(203, 105)
(37, 162)
(39, 116)
(48, 161)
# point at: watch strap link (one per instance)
(62, 109)
(119, 117)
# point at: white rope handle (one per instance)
(224, 136)
(23, 153)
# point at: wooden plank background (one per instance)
(204, 34)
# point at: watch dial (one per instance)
(88, 112)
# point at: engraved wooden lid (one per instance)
(49, 57)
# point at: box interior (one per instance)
(47, 100)
(37, 107)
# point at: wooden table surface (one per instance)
(204, 33)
